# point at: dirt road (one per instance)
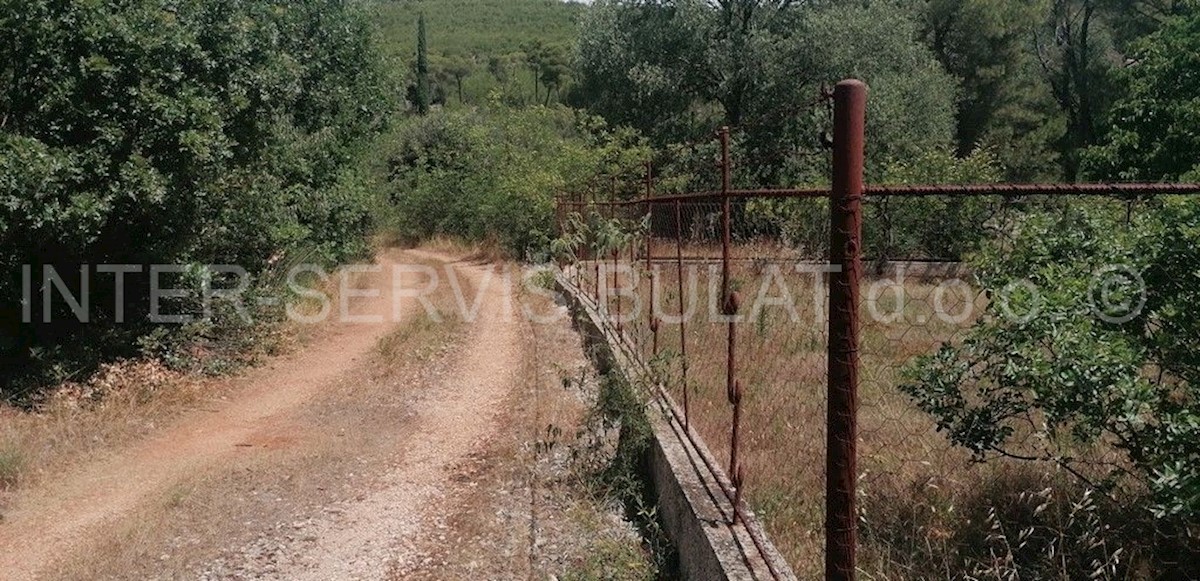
(344, 460)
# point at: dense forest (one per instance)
(263, 134)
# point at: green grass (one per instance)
(611, 560)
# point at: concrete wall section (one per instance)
(686, 479)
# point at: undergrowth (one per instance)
(610, 458)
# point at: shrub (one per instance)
(1086, 358)
(495, 172)
(177, 131)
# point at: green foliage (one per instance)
(1089, 342)
(495, 172)
(619, 474)
(490, 35)
(1073, 47)
(422, 93)
(941, 227)
(897, 228)
(187, 131)
(676, 70)
(612, 560)
(482, 27)
(1154, 134)
(649, 66)
(910, 104)
(1004, 104)
(596, 235)
(1039, 76)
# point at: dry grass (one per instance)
(521, 509)
(926, 509)
(123, 401)
(782, 366)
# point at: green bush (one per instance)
(1086, 358)
(177, 131)
(494, 173)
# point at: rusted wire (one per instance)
(682, 312)
(1109, 189)
(847, 195)
(845, 244)
(730, 302)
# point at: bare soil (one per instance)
(379, 450)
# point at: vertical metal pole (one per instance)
(596, 258)
(581, 255)
(562, 211)
(682, 313)
(649, 210)
(616, 257)
(730, 301)
(845, 245)
(581, 259)
(654, 323)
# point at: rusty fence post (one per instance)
(650, 272)
(649, 210)
(616, 259)
(581, 255)
(596, 257)
(845, 246)
(682, 314)
(729, 301)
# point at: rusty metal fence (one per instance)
(755, 331)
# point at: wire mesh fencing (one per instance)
(803, 333)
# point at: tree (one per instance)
(910, 108)
(534, 53)
(493, 172)
(1073, 49)
(498, 66)
(634, 68)
(1153, 135)
(675, 70)
(553, 70)
(459, 67)
(168, 132)
(1138, 18)
(1004, 105)
(422, 89)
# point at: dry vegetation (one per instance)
(918, 496)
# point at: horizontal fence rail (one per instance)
(774, 390)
